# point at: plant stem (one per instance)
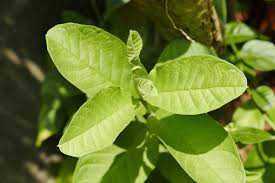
(235, 50)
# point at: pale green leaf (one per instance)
(201, 147)
(264, 97)
(114, 164)
(248, 135)
(248, 115)
(88, 57)
(134, 45)
(259, 54)
(182, 48)
(195, 84)
(237, 32)
(98, 122)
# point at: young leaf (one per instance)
(195, 84)
(98, 122)
(237, 32)
(259, 55)
(201, 147)
(248, 115)
(89, 57)
(264, 97)
(115, 164)
(182, 48)
(248, 135)
(134, 45)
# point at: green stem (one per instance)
(235, 50)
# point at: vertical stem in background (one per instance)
(235, 50)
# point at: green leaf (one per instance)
(259, 54)
(134, 45)
(133, 135)
(65, 174)
(201, 147)
(195, 84)
(261, 159)
(254, 161)
(254, 176)
(264, 97)
(237, 32)
(115, 164)
(98, 122)
(90, 58)
(182, 48)
(248, 115)
(221, 8)
(248, 135)
(171, 170)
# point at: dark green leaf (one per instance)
(201, 147)
(66, 170)
(132, 136)
(171, 170)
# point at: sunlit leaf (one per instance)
(98, 122)
(195, 84)
(88, 57)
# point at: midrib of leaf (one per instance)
(102, 121)
(87, 63)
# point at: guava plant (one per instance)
(132, 120)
